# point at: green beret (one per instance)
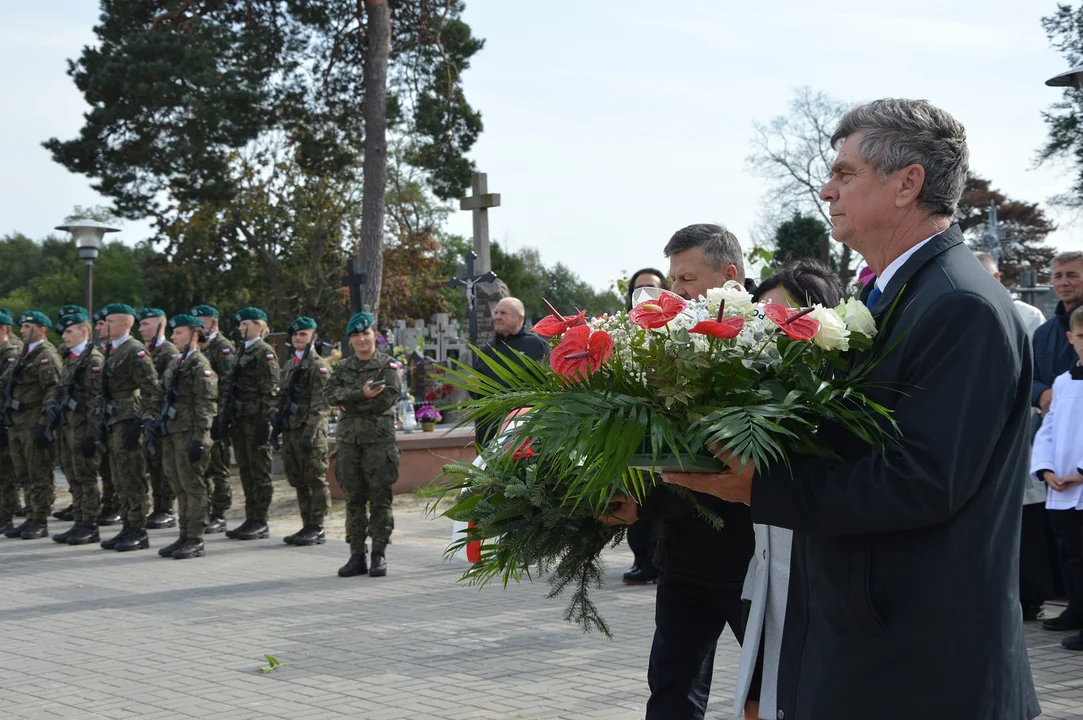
(66, 310)
(250, 313)
(99, 316)
(360, 322)
(150, 313)
(118, 309)
(185, 321)
(302, 323)
(204, 311)
(35, 317)
(73, 319)
(5, 319)
(7, 311)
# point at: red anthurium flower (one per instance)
(524, 451)
(726, 329)
(581, 352)
(555, 324)
(795, 324)
(656, 313)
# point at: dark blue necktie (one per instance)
(874, 296)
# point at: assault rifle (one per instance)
(288, 407)
(167, 412)
(10, 403)
(57, 414)
(105, 404)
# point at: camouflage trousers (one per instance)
(109, 491)
(366, 474)
(218, 480)
(82, 473)
(189, 481)
(307, 474)
(254, 463)
(129, 471)
(33, 472)
(161, 490)
(9, 488)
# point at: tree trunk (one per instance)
(371, 245)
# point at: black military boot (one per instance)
(6, 527)
(255, 531)
(136, 539)
(63, 537)
(35, 530)
(310, 535)
(59, 514)
(357, 565)
(290, 538)
(167, 551)
(16, 531)
(190, 549)
(109, 516)
(161, 519)
(111, 543)
(379, 565)
(245, 526)
(216, 525)
(84, 535)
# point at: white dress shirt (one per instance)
(1058, 446)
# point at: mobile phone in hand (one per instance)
(377, 384)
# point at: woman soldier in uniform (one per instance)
(366, 386)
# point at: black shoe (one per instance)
(310, 535)
(84, 535)
(641, 575)
(16, 531)
(216, 525)
(111, 543)
(63, 537)
(190, 549)
(245, 526)
(35, 530)
(379, 565)
(134, 540)
(167, 551)
(161, 520)
(1065, 622)
(1031, 610)
(59, 514)
(357, 565)
(255, 531)
(6, 527)
(109, 516)
(1073, 642)
(290, 538)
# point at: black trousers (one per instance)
(1036, 573)
(689, 618)
(1068, 529)
(643, 543)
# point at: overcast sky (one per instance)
(608, 125)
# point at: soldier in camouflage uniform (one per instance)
(162, 352)
(67, 514)
(11, 347)
(302, 416)
(189, 405)
(36, 376)
(129, 390)
(73, 425)
(245, 421)
(110, 514)
(220, 352)
(366, 455)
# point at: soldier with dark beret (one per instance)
(252, 395)
(65, 311)
(130, 392)
(36, 377)
(74, 426)
(152, 323)
(11, 347)
(221, 353)
(366, 386)
(303, 414)
(189, 405)
(110, 514)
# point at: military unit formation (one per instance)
(157, 420)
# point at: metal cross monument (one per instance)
(469, 282)
(354, 279)
(479, 204)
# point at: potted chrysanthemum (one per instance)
(428, 416)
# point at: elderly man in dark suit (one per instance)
(903, 599)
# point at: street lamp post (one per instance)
(1071, 78)
(88, 235)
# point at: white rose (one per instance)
(833, 334)
(738, 300)
(857, 317)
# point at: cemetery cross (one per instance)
(469, 282)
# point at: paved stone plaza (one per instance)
(93, 634)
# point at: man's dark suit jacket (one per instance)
(903, 599)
